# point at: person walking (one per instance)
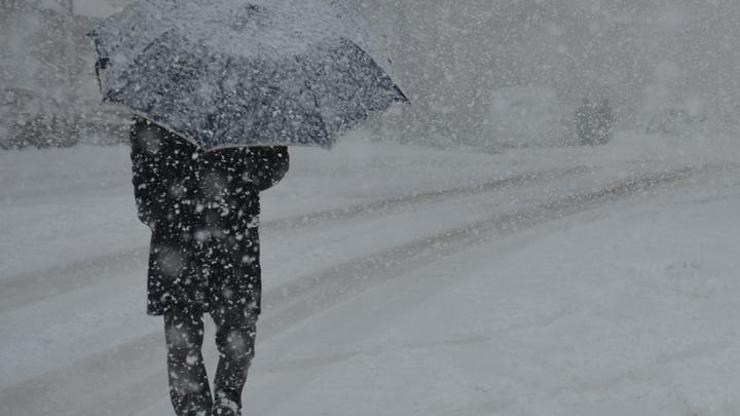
(222, 87)
(203, 210)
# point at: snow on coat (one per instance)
(203, 209)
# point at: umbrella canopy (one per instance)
(226, 73)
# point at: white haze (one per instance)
(461, 256)
(453, 57)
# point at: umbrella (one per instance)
(226, 73)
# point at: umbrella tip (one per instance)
(403, 97)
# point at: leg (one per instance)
(189, 390)
(235, 335)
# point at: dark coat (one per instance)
(203, 209)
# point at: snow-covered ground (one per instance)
(401, 280)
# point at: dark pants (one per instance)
(189, 389)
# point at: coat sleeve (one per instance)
(268, 165)
(150, 191)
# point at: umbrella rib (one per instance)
(307, 84)
(222, 87)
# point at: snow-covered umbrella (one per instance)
(226, 73)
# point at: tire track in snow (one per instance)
(411, 200)
(305, 297)
(27, 288)
(58, 392)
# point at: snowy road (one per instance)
(21, 289)
(352, 250)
